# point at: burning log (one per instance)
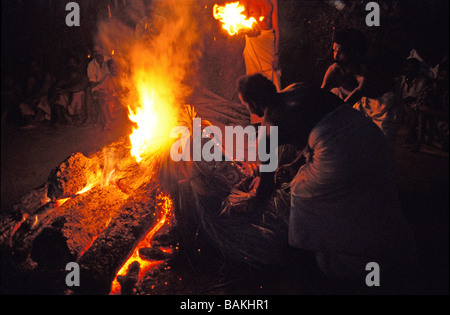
(79, 220)
(81, 198)
(28, 205)
(129, 281)
(155, 253)
(102, 260)
(98, 228)
(77, 174)
(70, 177)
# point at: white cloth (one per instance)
(26, 109)
(45, 106)
(259, 55)
(386, 112)
(344, 200)
(97, 73)
(75, 108)
(62, 99)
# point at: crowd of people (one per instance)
(76, 95)
(416, 93)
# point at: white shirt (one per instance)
(97, 73)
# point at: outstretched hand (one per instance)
(255, 31)
(240, 199)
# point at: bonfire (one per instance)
(112, 212)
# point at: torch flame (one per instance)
(232, 18)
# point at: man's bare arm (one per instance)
(275, 25)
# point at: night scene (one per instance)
(213, 148)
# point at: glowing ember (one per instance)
(24, 217)
(35, 222)
(232, 18)
(145, 265)
(60, 202)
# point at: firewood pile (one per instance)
(92, 210)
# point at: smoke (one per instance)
(162, 51)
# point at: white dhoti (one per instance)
(259, 55)
(76, 106)
(62, 100)
(45, 107)
(26, 109)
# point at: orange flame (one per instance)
(145, 265)
(155, 116)
(233, 21)
(94, 179)
(60, 202)
(35, 222)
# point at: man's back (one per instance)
(293, 105)
(344, 199)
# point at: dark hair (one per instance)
(443, 66)
(412, 66)
(354, 44)
(258, 90)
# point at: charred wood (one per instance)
(153, 253)
(101, 262)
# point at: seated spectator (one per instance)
(381, 100)
(12, 94)
(35, 108)
(151, 24)
(97, 72)
(412, 83)
(33, 82)
(345, 77)
(108, 93)
(68, 93)
(431, 111)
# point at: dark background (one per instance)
(35, 30)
